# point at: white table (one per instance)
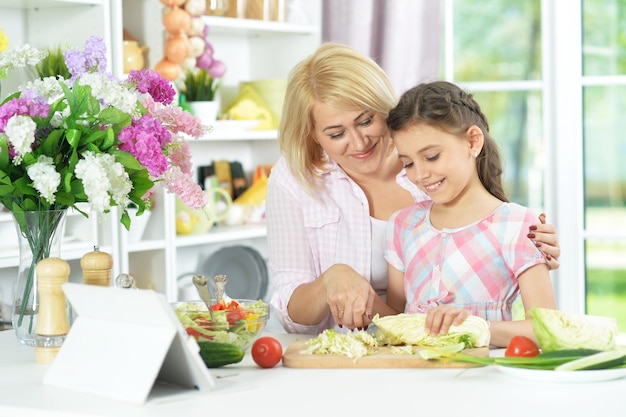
(246, 390)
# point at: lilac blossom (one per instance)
(45, 177)
(185, 188)
(93, 59)
(149, 81)
(145, 139)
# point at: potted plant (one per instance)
(53, 65)
(199, 92)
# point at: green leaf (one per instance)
(50, 145)
(113, 116)
(125, 220)
(128, 160)
(73, 137)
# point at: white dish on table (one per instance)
(539, 375)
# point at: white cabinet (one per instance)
(251, 49)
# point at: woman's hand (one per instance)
(350, 297)
(545, 238)
(440, 318)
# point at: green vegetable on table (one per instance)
(557, 330)
(554, 360)
(215, 354)
(408, 329)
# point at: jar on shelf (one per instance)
(257, 9)
(133, 56)
(216, 7)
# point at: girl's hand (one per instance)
(350, 297)
(440, 318)
(545, 238)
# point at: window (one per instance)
(555, 100)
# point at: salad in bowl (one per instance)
(235, 322)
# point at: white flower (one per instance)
(110, 92)
(47, 88)
(58, 117)
(45, 177)
(21, 133)
(101, 175)
(20, 57)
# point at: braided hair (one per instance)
(447, 107)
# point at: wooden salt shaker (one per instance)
(96, 268)
(52, 323)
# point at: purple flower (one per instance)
(29, 106)
(151, 82)
(92, 60)
(145, 139)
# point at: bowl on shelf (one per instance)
(237, 322)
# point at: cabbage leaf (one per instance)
(557, 330)
(408, 329)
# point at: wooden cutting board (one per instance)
(292, 358)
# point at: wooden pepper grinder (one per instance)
(52, 323)
(96, 268)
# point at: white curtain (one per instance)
(403, 36)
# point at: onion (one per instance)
(176, 20)
(217, 69)
(173, 3)
(197, 27)
(177, 48)
(168, 69)
(196, 46)
(195, 7)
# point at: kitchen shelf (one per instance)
(252, 49)
(38, 4)
(252, 27)
(222, 234)
(240, 135)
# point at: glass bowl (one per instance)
(237, 322)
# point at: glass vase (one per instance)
(39, 234)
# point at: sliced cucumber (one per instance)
(602, 360)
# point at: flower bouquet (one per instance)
(89, 139)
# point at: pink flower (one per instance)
(185, 188)
(145, 139)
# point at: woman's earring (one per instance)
(475, 154)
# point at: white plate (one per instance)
(563, 376)
(245, 268)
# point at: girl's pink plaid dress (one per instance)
(475, 267)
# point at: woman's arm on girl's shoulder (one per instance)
(546, 240)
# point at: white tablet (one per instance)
(127, 345)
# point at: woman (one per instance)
(331, 194)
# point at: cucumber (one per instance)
(602, 360)
(568, 353)
(216, 354)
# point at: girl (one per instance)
(464, 250)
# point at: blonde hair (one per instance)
(336, 75)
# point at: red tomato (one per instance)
(234, 315)
(266, 352)
(521, 346)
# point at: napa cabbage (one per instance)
(408, 329)
(557, 330)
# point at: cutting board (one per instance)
(292, 358)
